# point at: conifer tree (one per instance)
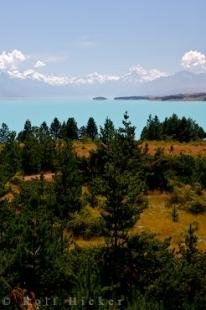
(55, 128)
(27, 131)
(43, 132)
(91, 128)
(71, 129)
(190, 248)
(124, 203)
(67, 187)
(82, 132)
(4, 133)
(107, 132)
(121, 184)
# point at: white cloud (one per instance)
(194, 61)
(39, 64)
(11, 59)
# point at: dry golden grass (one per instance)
(13, 189)
(197, 148)
(94, 242)
(83, 149)
(175, 148)
(157, 219)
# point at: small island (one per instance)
(99, 98)
(132, 98)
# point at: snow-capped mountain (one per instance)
(135, 82)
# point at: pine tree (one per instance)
(107, 132)
(43, 132)
(153, 129)
(31, 155)
(67, 187)
(55, 128)
(35, 241)
(190, 249)
(121, 183)
(124, 203)
(125, 149)
(82, 132)
(4, 133)
(71, 129)
(27, 131)
(91, 128)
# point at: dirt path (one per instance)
(49, 176)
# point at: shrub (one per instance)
(189, 198)
(87, 222)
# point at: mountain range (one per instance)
(182, 82)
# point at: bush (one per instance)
(87, 222)
(189, 198)
(197, 206)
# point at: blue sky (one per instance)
(75, 38)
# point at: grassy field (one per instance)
(157, 219)
(170, 147)
(174, 147)
(83, 149)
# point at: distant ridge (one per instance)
(183, 97)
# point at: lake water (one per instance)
(15, 112)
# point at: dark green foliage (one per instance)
(67, 183)
(172, 128)
(107, 132)
(55, 128)
(123, 205)
(43, 132)
(10, 158)
(66, 188)
(30, 154)
(91, 129)
(187, 197)
(71, 129)
(27, 131)
(159, 171)
(87, 278)
(34, 254)
(153, 129)
(100, 196)
(82, 132)
(119, 184)
(189, 249)
(86, 223)
(6, 135)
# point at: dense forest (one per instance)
(99, 196)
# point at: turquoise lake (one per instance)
(15, 112)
